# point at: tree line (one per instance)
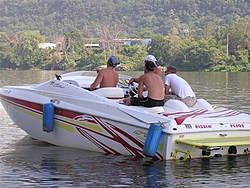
(194, 35)
(135, 18)
(226, 48)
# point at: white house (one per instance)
(47, 45)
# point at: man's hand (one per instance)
(132, 80)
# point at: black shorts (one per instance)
(146, 102)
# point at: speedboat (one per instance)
(64, 112)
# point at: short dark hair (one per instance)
(171, 69)
(149, 65)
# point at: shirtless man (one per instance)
(155, 88)
(107, 77)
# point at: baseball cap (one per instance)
(114, 61)
(151, 58)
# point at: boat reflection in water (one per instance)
(36, 163)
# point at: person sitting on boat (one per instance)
(148, 58)
(107, 77)
(178, 88)
(155, 88)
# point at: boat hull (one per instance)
(79, 130)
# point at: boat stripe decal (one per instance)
(86, 125)
(116, 138)
(99, 144)
(218, 112)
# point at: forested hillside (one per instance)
(132, 17)
(194, 35)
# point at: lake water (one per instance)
(26, 162)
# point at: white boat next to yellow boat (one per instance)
(65, 113)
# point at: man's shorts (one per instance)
(146, 102)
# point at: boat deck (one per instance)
(210, 143)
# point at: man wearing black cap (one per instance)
(155, 88)
(107, 77)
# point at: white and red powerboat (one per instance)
(64, 112)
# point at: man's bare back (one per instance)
(154, 85)
(107, 77)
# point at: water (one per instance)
(26, 162)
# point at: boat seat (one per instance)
(181, 106)
(110, 92)
(177, 105)
(202, 104)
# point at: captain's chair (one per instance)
(114, 93)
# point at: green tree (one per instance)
(133, 56)
(27, 49)
(197, 55)
(160, 48)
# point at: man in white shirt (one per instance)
(178, 88)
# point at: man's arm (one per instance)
(97, 81)
(140, 86)
(133, 80)
(167, 90)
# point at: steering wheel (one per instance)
(133, 89)
(123, 82)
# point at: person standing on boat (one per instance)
(107, 77)
(155, 88)
(178, 88)
(148, 58)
